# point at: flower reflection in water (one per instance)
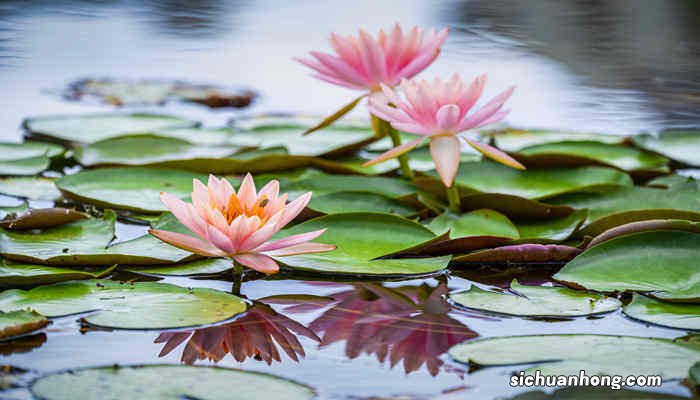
(409, 323)
(256, 334)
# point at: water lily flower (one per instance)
(440, 111)
(364, 62)
(239, 224)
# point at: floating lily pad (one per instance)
(21, 274)
(9, 212)
(199, 135)
(85, 242)
(678, 145)
(140, 305)
(331, 141)
(144, 150)
(630, 204)
(121, 92)
(595, 354)
(25, 166)
(666, 182)
(521, 253)
(42, 218)
(551, 230)
(33, 188)
(20, 322)
(536, 301)
(513, 140)
(625, 158)
(664, 263)
(645, 226)
(491, 177)
(361, 238)
(166, 382)
(482, 222)
(674, 315)
(134, 189)
(207, 266)
(19, 151)
(341, 202)
(91, 128)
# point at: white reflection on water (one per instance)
(579, 86)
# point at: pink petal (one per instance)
(261, 235)
(316, 66)
(217, 193)
(258, 262)
(346, 50)
(387, 113)
(494, 118)
(293, 209)
(419, 63)
(396, 100)
(219, 239)
(200, 195)
(336, 81)
(290, 241)
(271, 190)
(472, 94)
(395, 152)
(180, 210)
(494, 154)
(448, 117)
(445, 151)
(246, 192)
(340, 68)
(303, 248)
(188, 243)
(413, 127)
(486, 111)
(372, 58)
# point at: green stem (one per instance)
(453, 198)
(237, 278)
(383, 128)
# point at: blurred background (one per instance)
(617, 66)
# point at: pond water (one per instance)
(615, 66)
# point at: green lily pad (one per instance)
(694, 375)
(331, 141)
(33, 188)
(140, 305)
(166, 382)
(593, 392)
(678, 145)
(341, 202)
(20, 322)
(21, 274)
(91, 128)
(521, 254)
(513, 140)
(595, 354)
(134, 189)
(42, 218)
(207, 266)
(664, 263)
(482, 222)
(19, 151)
(25, 166)
(85, 242)
(630, 204)
(645, 226)
(9, 212)
(536, 301)
(491, 177)
(674, 315)
(666, 182)
(198, 135)
(551, 230)
(148, 149)
(361, 238)
(625, 158)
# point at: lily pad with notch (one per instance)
(673, 315)
(13, 274)
(678, 145)
(536, 301)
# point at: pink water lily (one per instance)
(440, 110)
(365, 62)
(239, 224)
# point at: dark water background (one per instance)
(610, 66)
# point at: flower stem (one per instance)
(383, 128)
(237, 278)
(453, 198)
